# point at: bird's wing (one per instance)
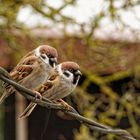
(23, 69)
(48, 84)
(24, 58)
(42, 90)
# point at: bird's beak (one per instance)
(78, 72)
(53, 62)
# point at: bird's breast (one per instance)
(38, 77)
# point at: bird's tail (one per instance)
(27, 111)
(4, 96)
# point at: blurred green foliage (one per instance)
(102, 62)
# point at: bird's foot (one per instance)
(38, 96)
(65, 104)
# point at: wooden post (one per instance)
(21, 124)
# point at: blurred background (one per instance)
(103, 37)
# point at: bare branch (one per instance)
(29, 94)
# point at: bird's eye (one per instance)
(49, 55)
(71, 70)
(66, 74)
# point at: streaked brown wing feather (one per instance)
(43, 88)
(23, 69)
(28, 55)
(49, 84)
(53, 76)
(21, 72)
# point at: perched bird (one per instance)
(33, 69)
(61, 83)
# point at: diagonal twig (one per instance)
(29, 94)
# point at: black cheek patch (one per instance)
(75, 79)
(66, 74)
(51, 63)
(42, 56)
(49, 55)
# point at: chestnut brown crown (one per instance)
(48, 54)
(49, 51)
(71, 69)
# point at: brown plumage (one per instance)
(33, 69)
(70, 66)
(59, 84)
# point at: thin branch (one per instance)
(29, 94)
(113, 131)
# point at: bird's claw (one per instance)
(65, 105)
(38, 96)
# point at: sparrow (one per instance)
(32, 70)
(62, 81)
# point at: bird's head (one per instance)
(70, 71)
(47, 54)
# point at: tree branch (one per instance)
(29, 94)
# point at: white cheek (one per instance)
(58, 69)
(37, 53)
(46, 60)
(69, 78)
